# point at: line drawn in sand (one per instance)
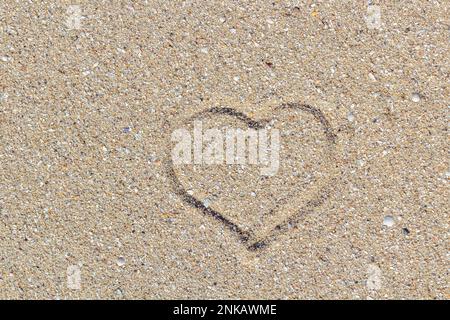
(250, 238)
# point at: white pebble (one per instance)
(206, 203)
(388, 221)
(350, 117)
(415, 97)
(120, 261)
(119, 293)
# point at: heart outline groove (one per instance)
(246, 237)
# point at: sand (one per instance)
(92, 207)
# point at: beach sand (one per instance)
(92, 205)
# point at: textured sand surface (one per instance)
(90, 92)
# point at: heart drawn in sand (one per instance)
(255, 206)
